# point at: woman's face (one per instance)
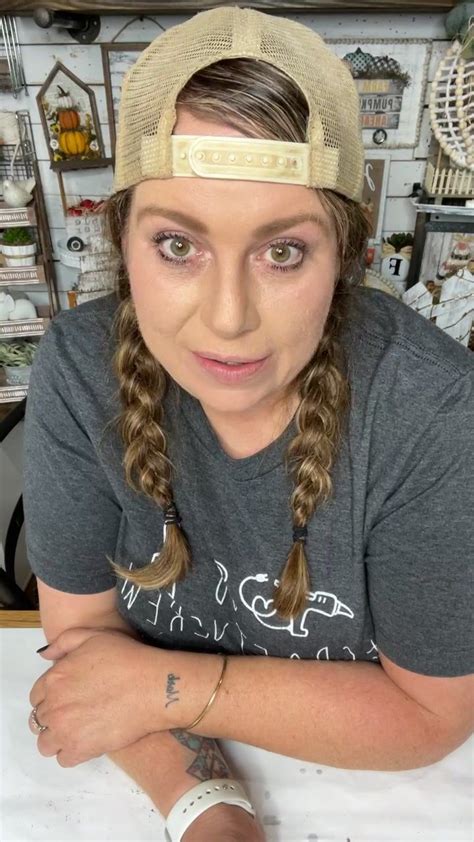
(207, 278)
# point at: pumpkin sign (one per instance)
(70, 121)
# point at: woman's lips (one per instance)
(230, 373)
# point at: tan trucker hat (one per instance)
(332, 156)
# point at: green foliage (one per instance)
(398, 241)
(17, 237)
(19, 353)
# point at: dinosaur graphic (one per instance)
(263, 611)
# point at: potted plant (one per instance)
(18, 247)
(16, 357)
(399, 241)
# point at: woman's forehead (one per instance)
(210, 204)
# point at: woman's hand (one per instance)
(225, 822)
(98, 695)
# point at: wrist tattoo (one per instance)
(172, 692)
(209, 762)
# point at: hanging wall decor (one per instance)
(444, 291)
(450, 306)
(70, 121)
(452, 103)
(446, 253)
(376, 168)
(390, 77)
(443, 178)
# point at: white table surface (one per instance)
(296, 800)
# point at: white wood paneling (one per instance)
(93, 183)
(110, 25)
(41, 48)
(402, 176)
(84, 61)
(329, 25)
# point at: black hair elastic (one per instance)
(171, 515)
(300, 533)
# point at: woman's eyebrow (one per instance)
(262, 231)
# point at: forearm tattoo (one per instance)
(172, 691)
(209, 762)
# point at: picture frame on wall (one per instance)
(376, 171)
(390, 76)
(117, 58)
(70, 121)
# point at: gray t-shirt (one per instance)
(389, 555)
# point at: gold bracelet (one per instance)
(193, 724)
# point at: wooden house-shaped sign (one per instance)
(70, 121)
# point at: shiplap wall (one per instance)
(41, 48)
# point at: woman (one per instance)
(345, 425)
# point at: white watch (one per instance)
(200, 798)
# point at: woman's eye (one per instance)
(174, 247)
(287, 255)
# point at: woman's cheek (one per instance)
(147, 280)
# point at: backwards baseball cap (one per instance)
(332, 156)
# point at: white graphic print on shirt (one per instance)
(329, 605)
(254, 595)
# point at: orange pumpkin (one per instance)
(68, 118)
(72, 142)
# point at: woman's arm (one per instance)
(350, 714)
(167, 764)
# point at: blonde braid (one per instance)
(325, 397)
(143, 386)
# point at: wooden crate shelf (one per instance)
(22, 274)
(23, 327)
(12, 394)
(11, 217)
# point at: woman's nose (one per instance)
(228, 308)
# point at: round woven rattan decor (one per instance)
(452, 106)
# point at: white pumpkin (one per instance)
(64, 100)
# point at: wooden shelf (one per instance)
(22, 275)
(12, 394)
(81, 164)
(11, 217)
(23, 327)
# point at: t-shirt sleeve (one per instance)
(71, 514)
(421, 547)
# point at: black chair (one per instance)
(11, 595)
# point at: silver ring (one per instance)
(35, 721)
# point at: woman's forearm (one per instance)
(167, 764)
(348, 714)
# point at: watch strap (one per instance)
(200, 798)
